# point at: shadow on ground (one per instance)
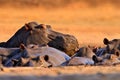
(98, 76)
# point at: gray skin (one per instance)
(100, 52)
(34, 33)
(84, 56)
(105, 57)
(80, 61)
(37, 56)
(7, 51)
(49, 57)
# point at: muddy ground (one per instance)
(62, 73)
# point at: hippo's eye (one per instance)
(49, 66)
(39, 27)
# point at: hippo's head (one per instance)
(38, 34)
(30, 33)
(112, 45)
(84, 52)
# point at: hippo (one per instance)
(30, 33)
(44, 56)
(49, 56)
(41, 34)
(84, 52)
(112, 47)
(84, 56)
(107, 58)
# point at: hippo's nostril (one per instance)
(49, 66)
(117, 54)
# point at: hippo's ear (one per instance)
(106, 41)
(94, 58)
(22, 46)
(24, 60)
(94, 50)
(28, 27)
(42, 26)
(46, 57)
(48, 27)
